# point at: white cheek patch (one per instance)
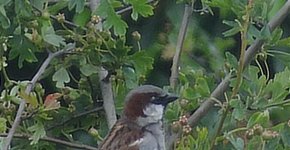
(154, 112)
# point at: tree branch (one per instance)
(28, 89)
(105, 82)
(222, 87)
(176, 59)
(76, 116)
(107, 94)
(54, 140)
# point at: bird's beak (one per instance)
(170, 98)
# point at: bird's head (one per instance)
(146, 104)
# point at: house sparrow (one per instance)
(140, 127)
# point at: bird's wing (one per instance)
(123, 136)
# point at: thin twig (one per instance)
(222, 87)
(182, 32)
(188, 9)
(74, 117)
(130, 8)
(54, 140)
(28, 89)
(240, 71)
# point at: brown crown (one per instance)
(136, 103)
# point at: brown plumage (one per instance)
(127, 131)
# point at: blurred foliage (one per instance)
(64, 103)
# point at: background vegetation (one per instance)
(66, 66)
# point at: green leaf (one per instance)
(276, 35)
(88, 69)
(106, 11)
(3, 126)
(38, 3)
(50, 37)
(117, 23)
(140, 7)
(231, 59)
(191, 93)
(277, 5)
(38, 132)
(82, 18)
(5, 22)
(285, 134)
(29, 98)
(265, 33)
(130, 77)
(234, 30)
(238, 143)
(259, 118)
(79, 4)
(202, 87)
(4, 2)
(23, 8)
(61, 77)
(22, 48)
(142, 63)
(239, 111)
(56, 8)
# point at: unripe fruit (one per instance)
(258, 129)
(46, 15)
(183, 103)
(136, 36)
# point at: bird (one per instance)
(141, 125)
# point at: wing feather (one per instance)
(123, 136)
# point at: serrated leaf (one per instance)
(61, 76)
(38, 132)
(23, 49)
(142, 63)
(106, 11)
(88, 69)
(50, 37)
(140, 7)
(117, 23)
